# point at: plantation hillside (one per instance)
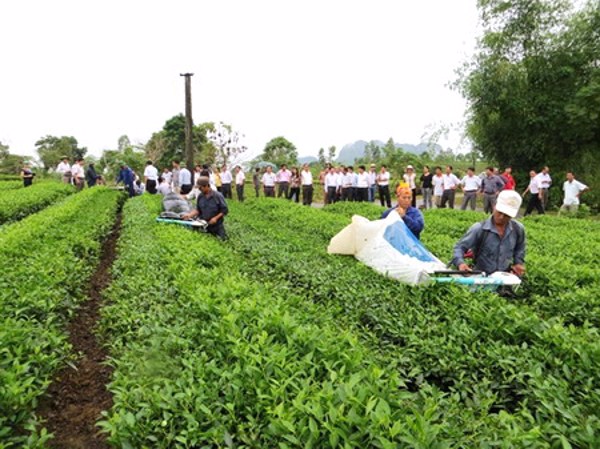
(265, 340)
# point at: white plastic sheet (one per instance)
(388, 247)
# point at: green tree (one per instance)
(3, 151)
(533, 88)
(280, 151)
(322, 160)
(169, 143)
(331, 153)
(9, 163)
(373, 152)
(52, 149)
(126, 153)
(124, 142)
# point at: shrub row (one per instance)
(563, 272)
(10, 184)
(47, 259)
(206, 357)
(16, 204)
(497, 356)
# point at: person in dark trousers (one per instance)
(211, 207)
(383, 184)
(307, 185)
(295, 185)
(27, 175)
(240, 180)
(535, 195)
(127, 177)
(226, 180)
(427, 187)
(256, 181)
(91, 177)
(150, 178)
(491, 186)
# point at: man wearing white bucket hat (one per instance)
(495, 244)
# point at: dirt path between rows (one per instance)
(75, 399)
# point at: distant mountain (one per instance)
(307, 160)
(352, 151)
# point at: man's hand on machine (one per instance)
(464, 267)
(518, 269)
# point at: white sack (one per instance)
(388, 247)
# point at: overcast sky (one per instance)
(318, 72)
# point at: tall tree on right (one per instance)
(533, 88)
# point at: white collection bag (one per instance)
(388, 247)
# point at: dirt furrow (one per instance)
(75, 399)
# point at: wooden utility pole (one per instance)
(189, 147)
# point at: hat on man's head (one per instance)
(508, 202)
(410, 167)
(203, 181)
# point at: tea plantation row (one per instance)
(518, 357)
(16, 204)
(268, 341)
(47, 259)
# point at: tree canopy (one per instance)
(533, 88)
(280, 151)
(52, 149)
(169, 143)
(126, 153)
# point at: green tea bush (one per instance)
(475, 345)
(47, 259)
(16, 204)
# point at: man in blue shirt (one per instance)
(211, 207)
(498, 243)
(127, 177)
(412, 217)
(491, 186)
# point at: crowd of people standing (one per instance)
(77, 174)
(437, 188)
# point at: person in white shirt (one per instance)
(226, 179)
(451, 182)
(64, 168)
(166, 175)
(283, 181)
(150, 177)
(470, 186)
(339, 182)
(354, 183)
(362, 184)
(240, 180)
(535, 195)
(544, 182)
(78, 173)
(268, 181)
(139, 187)
(307, 185)
(573, 190)
(383, 184)
(164, 186)
(185, 179)
(372, 182)
(176, 187)
(347, 184)
(331, 185)
(410, 178)
(438, 186)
